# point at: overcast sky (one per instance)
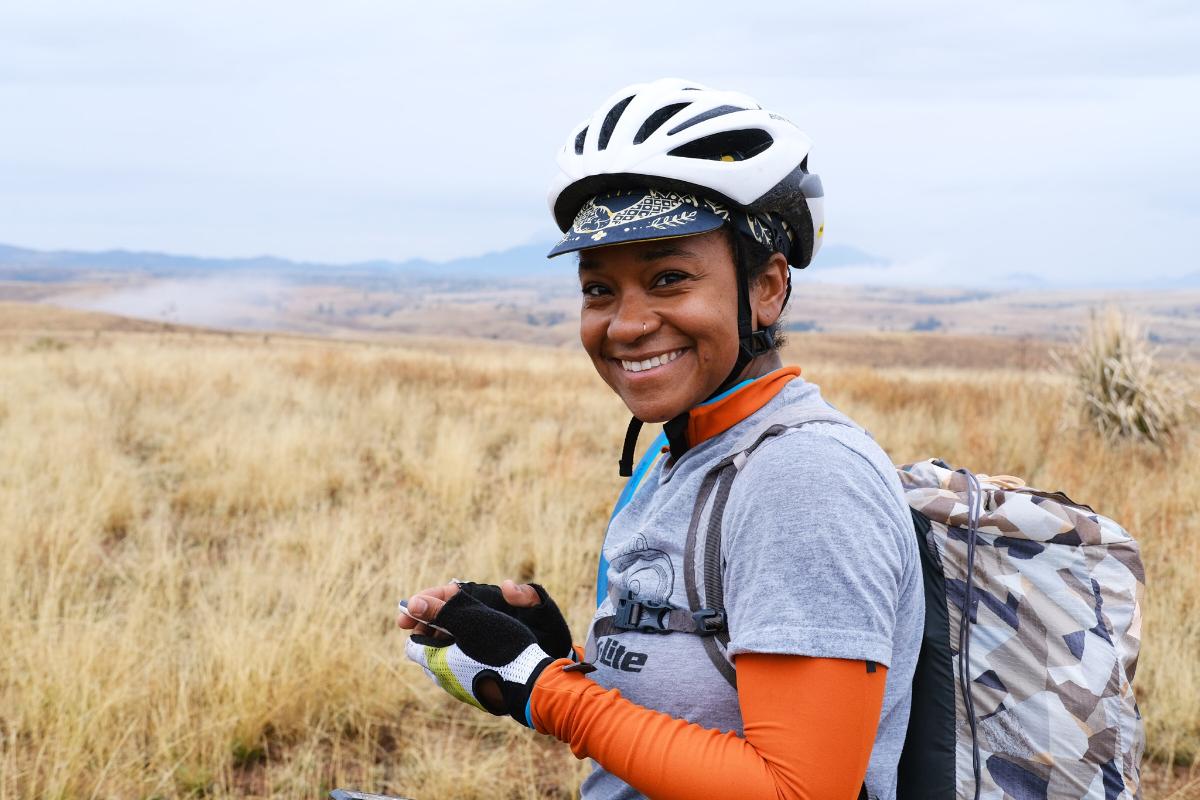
(955, 140)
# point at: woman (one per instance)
(686, 207)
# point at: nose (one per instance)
(632, 320)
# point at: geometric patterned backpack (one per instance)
(1029, 694)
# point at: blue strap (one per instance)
(631, 487)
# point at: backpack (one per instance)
(1044, 707)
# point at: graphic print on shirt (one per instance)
(650, 576)
(647, 572)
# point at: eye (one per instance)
(595, 290)
(669, 278)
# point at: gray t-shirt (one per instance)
(819, 559)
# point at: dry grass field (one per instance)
(203, 537)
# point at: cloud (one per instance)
(1053, 137)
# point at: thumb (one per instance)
(519, 595)
(425, 607)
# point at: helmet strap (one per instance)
(625, 465)
(751, 343)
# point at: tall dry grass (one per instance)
(202, 540)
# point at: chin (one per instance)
(654, 412)
(652, 418)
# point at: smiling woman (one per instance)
(687, 206)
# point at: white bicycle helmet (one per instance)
(678, 135)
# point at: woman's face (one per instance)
(659, 320)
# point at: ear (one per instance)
(769, 291)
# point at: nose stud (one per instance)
(643, 329)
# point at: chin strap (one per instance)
(751, 344)
(625, 465)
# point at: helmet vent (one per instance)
(656, 120)
(579, 137)
(726, 145)
(719, 111)
(610, 122)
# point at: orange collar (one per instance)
(708, 420)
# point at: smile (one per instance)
(652, 362)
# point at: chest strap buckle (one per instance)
(641, 615)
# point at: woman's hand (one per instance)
(527, 603)
(491, 660)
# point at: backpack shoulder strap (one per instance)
(787, 418)
(717, 486)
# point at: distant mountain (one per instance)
(525, 260)
(18, 263)
(57, 266)
(1022, 280)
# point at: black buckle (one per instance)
(759, 343)
(708, 621)
(640, 615)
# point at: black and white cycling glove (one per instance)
(544, 620)
(488, 645)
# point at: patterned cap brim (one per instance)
(639, 215)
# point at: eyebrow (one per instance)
(656, 253)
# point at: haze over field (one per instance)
(519, 295)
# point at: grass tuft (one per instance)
(1123, 393)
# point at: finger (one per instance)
(419, 604)
(419, 628)
(407, 620)
(443, 592)
(414, 626)
(430, 632)
(519, 595)
(425, 607)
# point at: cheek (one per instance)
(717, 353)
(714, 331)
(592, 328)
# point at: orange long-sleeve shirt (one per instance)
(809, 726)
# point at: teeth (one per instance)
(651, 363)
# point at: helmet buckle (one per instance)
(759, 343)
